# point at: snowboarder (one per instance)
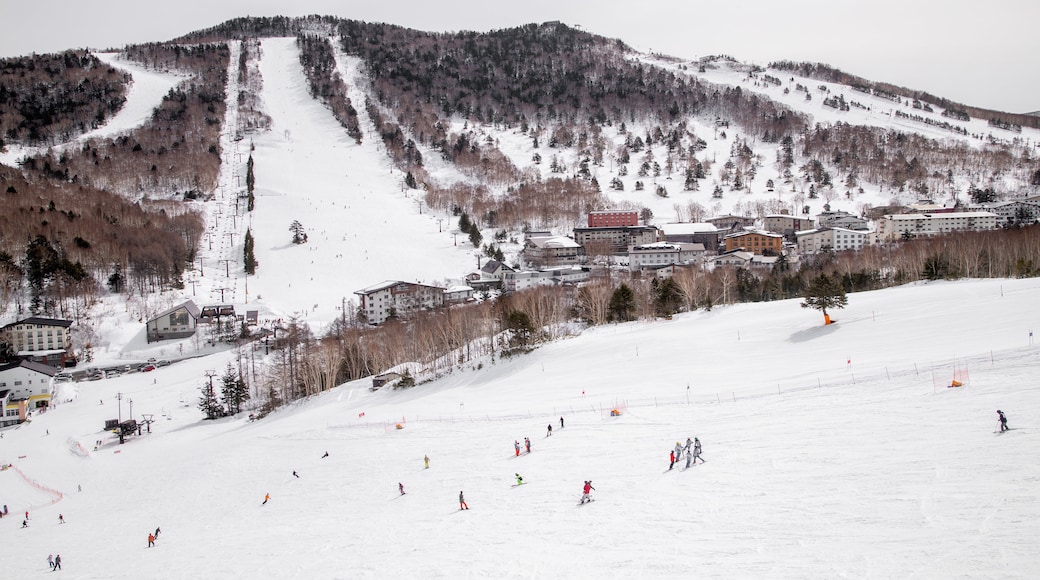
(50, 560)
(527, 443)
(517, 445)
(426, 459)
(295, 475)
(61, 519)
(57, 562)
(326, 455)
(561, 422)
(400, 487)
(519, 480)
(462, 502)
(549, 433)
(697, 450)
(267, 498)
(671, 458)
(1003, 421)
(585, 491)
(151, 540)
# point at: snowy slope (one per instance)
(873, 470)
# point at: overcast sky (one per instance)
(977, 53)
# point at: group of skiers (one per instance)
(527, 446)
(152, 537)
(692, 455)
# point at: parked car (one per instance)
(162, 363)
(147, 368)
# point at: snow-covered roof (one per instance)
(190, 306)
(687, 228)
(554, 242)
(917, 216)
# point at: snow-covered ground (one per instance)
(830, 452)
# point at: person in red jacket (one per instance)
(585, 492)
(151, 540)
(671, 457)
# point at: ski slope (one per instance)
(830, 452)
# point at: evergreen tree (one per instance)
(249, 260)
(208, 403)
(250, 183)
(233, 390)
(520, 326)
(299, 235)
(825, 292)
(622, 303)
(117, 281)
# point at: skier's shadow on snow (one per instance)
(813, 333)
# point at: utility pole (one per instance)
(131, 409)
(119, 415)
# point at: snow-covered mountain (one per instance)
(830, 451)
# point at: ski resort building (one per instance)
(549, 251)
(177, 322)
(786, 224)
(691, 233)
(834, 239)
(395, 298)
(755, 242)
(894, 227)
(43, 340)
(24, 387)
(613, 219)
(663, 253)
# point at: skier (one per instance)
(527, 442)
(400, 487)
(517, 445)
(1003, 421)
(697, 450)
(157, 532)
(678, 451)
(689, 456)
(295, 475)
(50, 560)
(25, 523)
(462, 502)
(57, 562)
(426, 459)
(686, 447)
(151, 540)
(585, 491)
(549, 433)
(267, 498)
(61, 519)
(671, 458)
(561, 422)
(519, 480)
(326, 455)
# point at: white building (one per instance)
(548, 251)
(893, 227)
(835, 239)
(514, 281)
(841, 219)
(395, 298)
(1011, 212)
(24, 387)
(663, 253)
